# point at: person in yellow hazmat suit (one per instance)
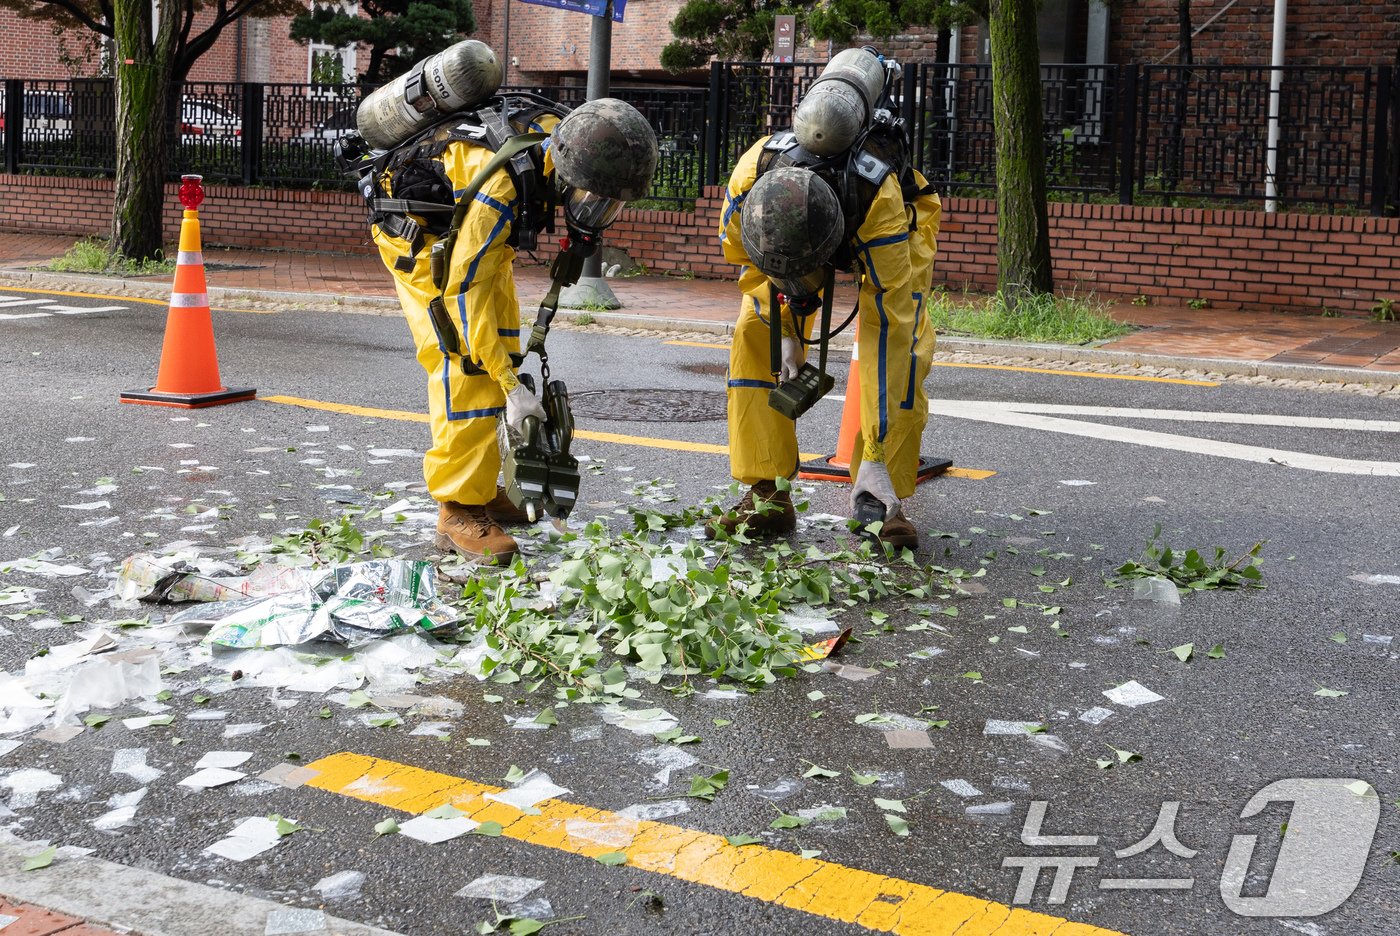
(783, 224)
(595, 159)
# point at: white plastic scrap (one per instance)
(433, 729)
(1132, 694)
(1096, 715)
(662, 810)
(500, 887)
(616, 834)
(1158, 590)
(247, 728)
(249, 838)
(997, 726)
(211, 777)
(435, 829)
(26, 784)
(1377, 579)
(668, 757)
(642, 721)
(536, 787)
(960, 787)
(132, 762)
(343, 885)
(111, 821)
(990, 809)
(225, 759)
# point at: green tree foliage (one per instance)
(396, 32)
(155, 45)
(743, 29)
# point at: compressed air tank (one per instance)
(458, 77)
(839, 104)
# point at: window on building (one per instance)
(328, 67)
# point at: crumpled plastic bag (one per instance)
(350, 604)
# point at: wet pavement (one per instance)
(1031, 681)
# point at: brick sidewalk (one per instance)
(36, 921)
(1254, 336)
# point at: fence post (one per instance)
(251, 137)
(14, 122)
(1381, 177)
(712, 118)
(1127, 132)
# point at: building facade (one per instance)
(542, 45)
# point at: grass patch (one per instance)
(91, 256)
(1048, 318)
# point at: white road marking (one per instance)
(1247, 419)
(47, 308)
(1029, 416)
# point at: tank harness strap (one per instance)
(441, 256)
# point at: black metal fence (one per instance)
(1113, 132)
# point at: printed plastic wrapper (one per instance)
(156, 579)
(349, 604)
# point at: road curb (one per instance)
(1223, 366)
(1068, 354)
(142, 902)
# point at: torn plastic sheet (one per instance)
(652, 811)
(348, 604)
(180, 578)
(536, 787)
(500, 887)
(343, 885)
(1158, 590)
(617, 835)
(1132, 694)
(41, 566)
(642, 721)
(26, 784)
(249, 838)
(105, 682)
(436, 829)
(17, 595)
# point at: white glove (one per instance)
(521, 404)
(793, 357)
(873, 478)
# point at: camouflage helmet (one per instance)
(791, 224)
(607, 148)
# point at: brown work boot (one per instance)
(766, 510)
(466, 529)
(899, 532)
(504, 512)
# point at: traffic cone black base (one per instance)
(821, 469)
(189, 400)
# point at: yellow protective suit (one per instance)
(895, 247)
(464, 459)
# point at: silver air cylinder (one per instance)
(839, 105)
(458, 77)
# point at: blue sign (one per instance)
(591, 7)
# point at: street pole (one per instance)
(1276, 105)
(592, 290)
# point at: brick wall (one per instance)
(1235, 259)
(231, 215)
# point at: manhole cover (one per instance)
(643, 405)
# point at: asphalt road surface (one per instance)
(1013, 697)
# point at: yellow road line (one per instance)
(698, 344)
(1071, 373)
(675, 445)
(821, 888)
(4, 287)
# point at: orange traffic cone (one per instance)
(837, 467)
(189, 363)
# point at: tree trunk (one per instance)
(143, 90)
(1023, 218)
